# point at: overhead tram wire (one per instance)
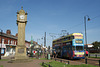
(95, 26)
(74, 26)
(95, 17)
(53, 34)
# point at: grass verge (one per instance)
(1, 65)
(4, 60)
(59, 64)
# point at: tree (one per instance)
(96, 45)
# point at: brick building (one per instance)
(8, 43)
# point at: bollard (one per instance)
(51, 58)
(89, 55)
(60, 60)
(86, 61)
(49, 65)
(99, 63)
(96, 55)
(42, 63)
(68, 62)
(55, 59)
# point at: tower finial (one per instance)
(22, 7)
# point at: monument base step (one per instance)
(19, 60)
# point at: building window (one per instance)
(8, 41)
(2, 41)
(15, 42)
(5, 40)
(11, 41)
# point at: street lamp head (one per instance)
(89, 19)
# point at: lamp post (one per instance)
(42, 46)
(1, 43)
(37, 40)
(85, 29)
(31, 46)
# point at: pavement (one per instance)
(33, 63)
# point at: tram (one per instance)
(70, 46)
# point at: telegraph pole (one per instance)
(1, 44)
(31, 46)
(45, 40)
(44, 43)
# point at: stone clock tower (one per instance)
(21, 48)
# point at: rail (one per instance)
(86, 61)
(46, 64)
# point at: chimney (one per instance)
(16, 34)
(8, 32)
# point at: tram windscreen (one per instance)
(79, 47)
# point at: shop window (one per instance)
(8, 49)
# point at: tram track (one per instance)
(92, 61)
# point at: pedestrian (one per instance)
(28, 52)
(34, 52)
(54, 54)
(86, 53)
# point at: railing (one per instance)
(94, 55)
(61, 60)
(94, 50)
(98, 61)
(46, 64)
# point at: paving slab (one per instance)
(34, 63)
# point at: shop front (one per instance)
(2, 48)
(10, 50)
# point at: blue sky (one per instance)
(52, 16)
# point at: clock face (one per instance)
(21, 16)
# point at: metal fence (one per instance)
(97, 61)
(94, 55)
(60, 60)
(94, 50)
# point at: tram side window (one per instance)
(64, 39)
(69, 47)
(72, 37)
(66, 47)
(73, 47)
(53, 41)
(68, 38)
